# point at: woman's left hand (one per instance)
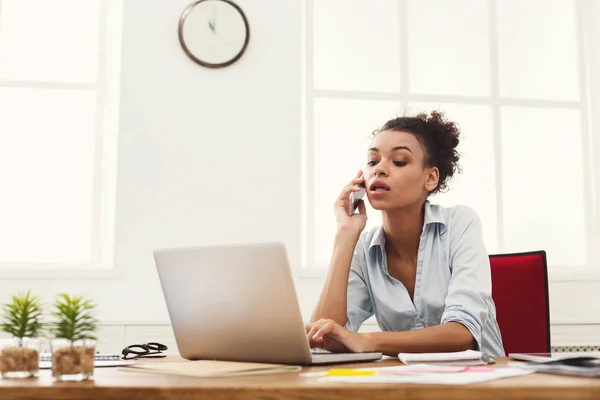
(331, 336)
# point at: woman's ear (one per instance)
(432, 179)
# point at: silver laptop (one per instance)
(238, 303)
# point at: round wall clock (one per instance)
(214, 33)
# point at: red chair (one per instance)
(520, 292)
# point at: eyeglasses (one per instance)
(147, 350)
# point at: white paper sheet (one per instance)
(457, 378)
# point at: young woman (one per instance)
(425, 273)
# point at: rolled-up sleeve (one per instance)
(359, 306)
(471, 282)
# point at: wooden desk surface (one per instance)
(115, 384)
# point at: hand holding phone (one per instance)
(349, 199)
(356, 197)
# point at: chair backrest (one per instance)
(520, 292)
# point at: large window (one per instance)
(512, 73)
(59, 63)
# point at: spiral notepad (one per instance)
(101, 360)
(99, 357)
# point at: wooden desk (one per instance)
(114, 384)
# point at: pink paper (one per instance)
(423, 369)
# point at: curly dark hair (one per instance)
(439, 138)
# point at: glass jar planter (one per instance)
(19, 358)
(73, 361)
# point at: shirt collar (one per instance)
(433, 215)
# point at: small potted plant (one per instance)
(20, 354)
(74, 341)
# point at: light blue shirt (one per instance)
(453, 280)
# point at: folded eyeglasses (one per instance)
(146, 350)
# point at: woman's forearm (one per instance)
(332, 301)
(451, 336)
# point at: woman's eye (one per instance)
(371, 163)
(399, 163)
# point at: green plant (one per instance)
(22, 317)
(74, 318)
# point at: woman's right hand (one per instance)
(356, 222)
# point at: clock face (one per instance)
(214, 33)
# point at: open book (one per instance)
(467, 357)
(211, 368)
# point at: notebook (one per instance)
(211, 368)
(97, 363)
(467, 357)
(99, 357)
(101, 360)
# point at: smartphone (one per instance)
(355, 197)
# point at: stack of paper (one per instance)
(428, 374)
(467, 357)
(577, 366)
(446, 378)
(398, 370)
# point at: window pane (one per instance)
(537, 49)
(356, 45)
(543, 180)
(342, 133)
(476, 185)
(445, 63)
(49, 40)
(46, 174)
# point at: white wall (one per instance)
(204, 155)
(214, 156)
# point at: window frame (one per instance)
(106, 87)
(588, 39)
